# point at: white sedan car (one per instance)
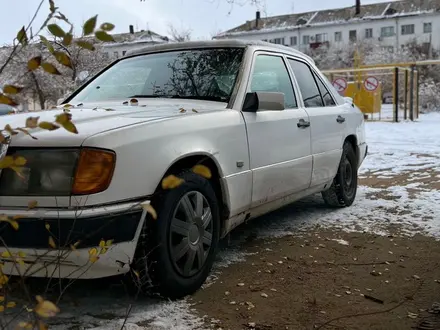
(261, 117)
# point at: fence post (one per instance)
(417, 93)
(411, 95)
(396, 94)
(405, 111)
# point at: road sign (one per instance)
(340, 84)
(371, 83)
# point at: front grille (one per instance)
(32, 233)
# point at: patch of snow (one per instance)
(341, 241)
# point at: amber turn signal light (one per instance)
(94, 172)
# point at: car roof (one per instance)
(233, 43)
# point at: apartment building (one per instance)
(390, 24)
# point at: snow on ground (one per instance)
(393, 149)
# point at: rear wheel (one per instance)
(181, 244)
(344, 187)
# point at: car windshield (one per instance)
(206, 74)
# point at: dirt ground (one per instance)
(326, 279)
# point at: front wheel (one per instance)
(184, 238)
(344, 187)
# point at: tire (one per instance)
(158, 266)
(342, 192)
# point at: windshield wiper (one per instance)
(189, 97)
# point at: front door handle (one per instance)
(303, 124)
(340, 119)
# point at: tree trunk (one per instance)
(40, 93)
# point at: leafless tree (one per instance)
(183, 34)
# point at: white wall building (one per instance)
(390, 24)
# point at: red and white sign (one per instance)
(340, 84)
(371, 83)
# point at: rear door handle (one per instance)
(340, 119)
(303, 124)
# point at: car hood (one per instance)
(91, 119)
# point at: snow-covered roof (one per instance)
(336, 16)
(140, 37)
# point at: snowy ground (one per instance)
(394, 149)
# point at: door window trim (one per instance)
(312, 68)
(292, 81)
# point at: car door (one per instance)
(279, 141)
(327, 121)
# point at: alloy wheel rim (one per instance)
(190, 234)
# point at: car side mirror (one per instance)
(263, 101)
(348, 99)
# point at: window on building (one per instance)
(427, 27)
(306, 40)
(321, 37)
(124, 52)
(338, 36)
(407, 29)
(115, 54)
(352, 35)
(387, 31)
(270, 75)
(293, 41)
(389, 49)
(368, 33)
(307, 85)
(278, 41)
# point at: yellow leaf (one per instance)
(10, 89)
(7, 100)
(182, 110)
(150, 209)
(50, 68)
(34, 63)
(107, 26)
(102, 243)
(47, 44)
(70, 127)
(89, 25)
(64, 117)
(9, 129)
(32, 122)
(46, 308)
(47, 226)
(14, 224)
(22, 37)
(2, 308)
(137, 274)
(6, 162)
(48, 126)
(202, 170)
(52, 6)
(52, 242)
(6, 254)
(103, 36)
(93, 259)
(67, 39)
(103, 251)
(25, 325)
(3, 279)
(32, 205)
(21, 254)
(171, 182)
(85, 45)
(11, 304)
(20, 161)
(2, 298)
(63, 59)
(109, 242)
(93, 252)
(56, 30)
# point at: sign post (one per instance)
(340, 84)
(371, 83)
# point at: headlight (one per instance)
(59, 172)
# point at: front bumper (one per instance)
(121, 223)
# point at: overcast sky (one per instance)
(203, 17)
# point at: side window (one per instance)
(307, 85)
(326, 96)
(271, 75)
